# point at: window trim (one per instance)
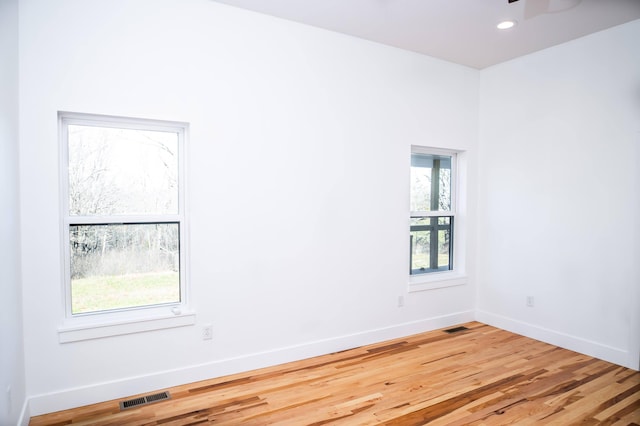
(89, 325)
(456, 276)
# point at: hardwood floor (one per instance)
(479, 376)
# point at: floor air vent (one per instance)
(144, 400)
(456, 329)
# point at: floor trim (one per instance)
(25, 415)
(566, 341)
(75, 397)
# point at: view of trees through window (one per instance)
(124, 240)
(430, 233)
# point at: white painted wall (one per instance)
(298, 178)
(12, 376)
(298, 184)
(559, 200)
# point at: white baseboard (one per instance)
(25, 416)
(76, 397)
(566, 341)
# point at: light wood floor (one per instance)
(482, 376)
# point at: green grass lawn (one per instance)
(101, 293)
(421, 260)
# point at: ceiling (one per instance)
(460, 31)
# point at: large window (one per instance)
(123, 214)
(432, 210)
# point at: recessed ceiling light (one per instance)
(505, 25)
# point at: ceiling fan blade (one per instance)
(533, 8)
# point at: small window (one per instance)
(123, 214)
(432, 210)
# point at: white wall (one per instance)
(12, 376)
(298, 184)
(559, 203)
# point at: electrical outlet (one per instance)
(400, 301)
(530, 301)
(207, 332)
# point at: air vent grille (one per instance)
(456, 329)
(144, 400)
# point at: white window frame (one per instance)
(91, 325)
(456, 276)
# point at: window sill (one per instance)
(436, 280)
(97, 330)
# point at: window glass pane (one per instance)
(124, 266)
(122, 171)
(443, 248)
(420, 245)
(430, 182)
(430, 244)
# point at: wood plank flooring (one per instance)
(479, 376)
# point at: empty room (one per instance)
(311, 212)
